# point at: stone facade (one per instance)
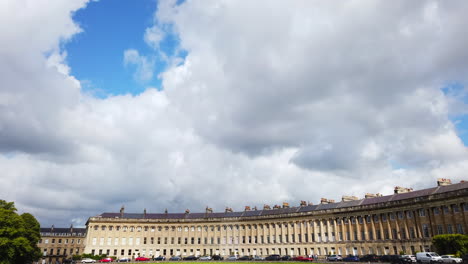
(402, 222)
(58, 244)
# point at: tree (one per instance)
(451, 244)
(19, 235)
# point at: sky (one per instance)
(187, 104)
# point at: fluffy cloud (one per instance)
(296, 101)
(144, 65)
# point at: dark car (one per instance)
(465, 259)
(217, 257)
(192, 257)
(273, 258)
(160, 258)
(245, 258)
(175, 258)
(369, 258)
(68, 261)
(351, 258)
(390, 258)
(286, 257)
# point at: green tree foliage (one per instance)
(19, 235)
(451, 244)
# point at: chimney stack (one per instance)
(266, 207)
(71, 228)
(247, 208)
(208, 210)
(347, 198)
(399, 189)
(285, 205)
(144, 213)
(372, 195)
(228, 210)
(443, 182)
(122, 210)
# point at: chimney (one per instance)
(276, 207)
(187, 211)
(443, 182)
(372, 195)
(266, 207)
(122, 210)
(399, 189)
(144, 213)
(165, 211)
(228, 210)
(347, 198)
(208, 210)
(255, 208)
(285, 205)
(247, 208)
(310, 203)
(52, 228)
(71, 228)
(324, 201)
(303, 203)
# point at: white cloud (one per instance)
(144, 65)
(333, 99)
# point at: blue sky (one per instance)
(109, 28)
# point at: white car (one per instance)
(88, 260)
(450, 259)
(231, 258)
(205, 258)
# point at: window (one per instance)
(446, 209)
(46, 241)
(392, 216)
(400, 215)
(409, 214)
(146, 228)
(384, 217)
(403, 233)
(449, 229)
(436, 210)
(455, 208)
(60, 241)
(360, 220)
(422, 212)
(368, 218)
(96, 227)
(117, 228)
(439, 230)
(412, 234)
(144, 241)
(103, 228)
(425, 230)
(376, 218)
(465, 207)
(110, 228)
(179, 228)
(459, 229)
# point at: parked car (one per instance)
(408, 258)
(124, 260)
(160, 258)
(142, 259)
(68, 261)
(245, 258)
(217, 257)
(450, 259)
(88, 260)
(369, 258)
(232, 257)
(258, 258)
(205, 258)
(192, 257)
(334, 258)
(465, 259)
(273, 258)
(351, 258)
(302, 258)
(175, 258)
(389, 258)
(106, 260)
(286, 257)
(428, 257)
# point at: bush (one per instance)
(456, 244)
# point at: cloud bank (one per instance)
(273, 102)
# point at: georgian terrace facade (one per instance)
(402, 222)
(57, 244)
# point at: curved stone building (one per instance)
(401, 222)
